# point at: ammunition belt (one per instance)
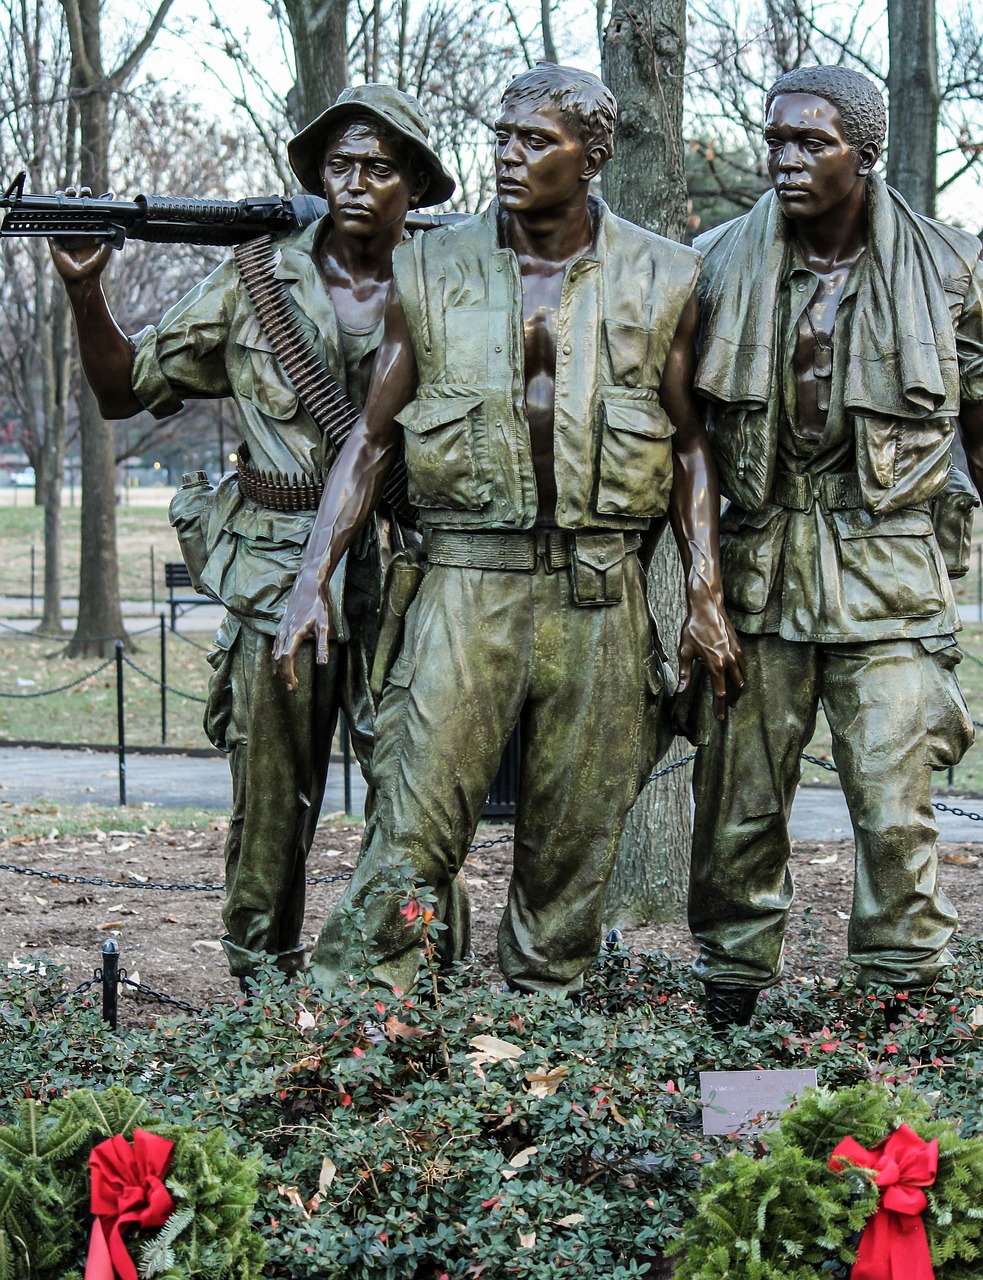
(520, 551)
(276, 491)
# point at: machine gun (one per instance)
(167, 219)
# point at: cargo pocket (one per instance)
(634, 474)
(256, 374)
(890, 565)
(949, 726)
(441, 444)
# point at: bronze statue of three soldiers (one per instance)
(556, 381)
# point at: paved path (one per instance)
(28, 773)
(92, 777)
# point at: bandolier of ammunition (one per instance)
(274, 490)
(332, 411)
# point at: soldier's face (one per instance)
(366, 183)
(813, 168)
(539, 161)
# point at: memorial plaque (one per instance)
(748, 1101)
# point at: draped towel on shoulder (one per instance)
(901, 347)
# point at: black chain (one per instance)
(936, 804)
(44, 693)
(160, 996)
(205, 648)
(671, 768)
(178, 693)
(67, 995)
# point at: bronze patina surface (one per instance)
(841, 337)
(244, 542)
(536, 368)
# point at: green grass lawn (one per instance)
(138, 530)
(87, 712)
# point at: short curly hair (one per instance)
(584, 101)
(855, 97)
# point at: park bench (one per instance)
(181, 595)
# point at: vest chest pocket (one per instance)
(256, 375)
(634, 470)
(442, 443)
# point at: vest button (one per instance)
(498, 346)
(567, 349)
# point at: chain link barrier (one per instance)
(178, 693)
(62, 688)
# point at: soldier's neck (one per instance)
(551, 235)
(361, 257)
(836, 239)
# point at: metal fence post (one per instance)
(121, 722)
(110, 982)
(163, 678)
(979, 579)
(32, 580)
(346, 760)
(153, 582)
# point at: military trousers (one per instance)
(896, 713)
(483, 651)
(278, 745)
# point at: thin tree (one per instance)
(320, 41)
(643, 56)
(913, 94)
(94, 89)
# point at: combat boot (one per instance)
(729, 1005)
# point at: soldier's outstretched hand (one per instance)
(305, 616)
(707, 635)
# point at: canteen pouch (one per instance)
(188, 514)
(597, 568)
(952, 518)
(404, 574)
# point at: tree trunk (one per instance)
(643, 57)
(913, 93)
(319, 34)
(56, 374)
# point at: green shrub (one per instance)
(391, 1148)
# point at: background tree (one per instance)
(913, 95)
(643, 60)
(37, 134)
(95, 93)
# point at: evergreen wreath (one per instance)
(786, 1216)
(44, 1194)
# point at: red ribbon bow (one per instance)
(127, 1188)
(894, 1245)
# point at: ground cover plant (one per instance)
(458, 1131)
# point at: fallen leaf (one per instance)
(491, 1049)
(207, 944)
(328, 1171)
(543, 1084)
(527, 1239)
(961, 859)
(295, 1198)
(975, 1019)
(842, 915)
(522, 1158)
(110, 924)
(396, 1030)
(827, 861)
(571, 1220)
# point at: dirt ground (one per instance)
(168, 939)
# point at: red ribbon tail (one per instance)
(98, 1264)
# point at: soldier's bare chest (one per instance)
(816, 335)
(542, 286)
